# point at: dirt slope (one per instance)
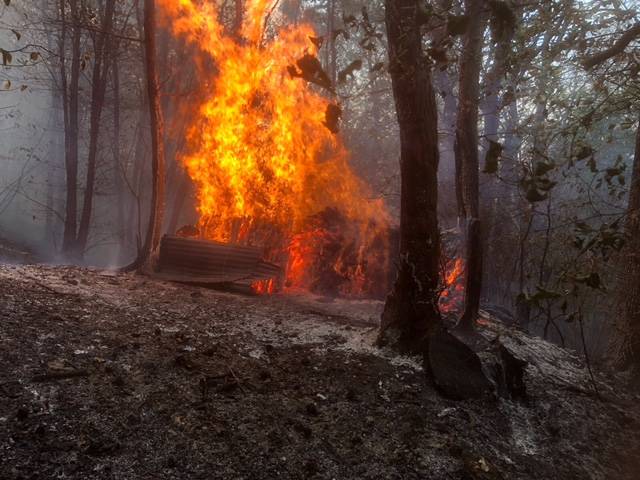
(108, 376)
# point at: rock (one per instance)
(456, 369)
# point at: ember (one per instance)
(266, 163)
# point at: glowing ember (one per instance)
(452, 295)
(260, 153)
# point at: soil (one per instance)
(119, 376)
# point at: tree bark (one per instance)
(98, 90)
(411, 311)
(624, 347)
(330, 61)
(118, 169)
(156, 212)
(502, 34)
(70, 98)
(238, 19)
(467, 158)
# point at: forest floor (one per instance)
(113, 376)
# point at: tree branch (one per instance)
(617, 47)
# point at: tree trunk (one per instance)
(330, 62)
(98, 90)
(70, 98)
(178, 203)
(624, 347)
(239, 18)
(411, 312)
(502, 34)
(156, 211)
(118, 169)
(467, 158)
(444, 84)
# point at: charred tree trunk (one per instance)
(467, 158)
(156, 211)
(98, 90)
(624, 348)
(70, 93)
(411, 312)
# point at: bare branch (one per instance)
(617, 48)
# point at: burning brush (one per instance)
(262, 152)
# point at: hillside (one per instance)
(121, 376)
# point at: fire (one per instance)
(452, 295)
(259, 151)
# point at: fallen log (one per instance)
(193, 260)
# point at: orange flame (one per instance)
(452, 295)
(259, 153)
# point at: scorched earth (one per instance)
(109, 376)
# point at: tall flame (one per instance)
(259, 153)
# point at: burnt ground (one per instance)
(106, 376)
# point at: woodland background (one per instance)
(556, 139)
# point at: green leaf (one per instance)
(6, 57)
(349, 70)
(457, 25)
(533, 195)
(592, 280)
(543, 167)
(584, 152)
(545, 184)
(492, 159)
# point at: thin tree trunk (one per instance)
(411, 311)
(502, 33)
(443, 82)
(467, 158)
(178, 202)
(117, 166)
(156, 211)
(98, 90)
(331, 44)
(239, 18)
(70, 95)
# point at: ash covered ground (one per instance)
(114, 376)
